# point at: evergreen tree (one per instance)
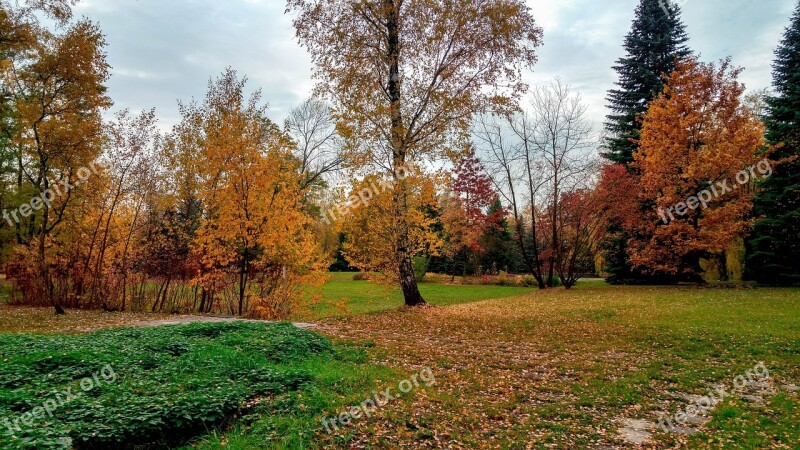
(774, 249)
(654, 44)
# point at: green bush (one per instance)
(504, 279)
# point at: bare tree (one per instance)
(536, 157)
(313, 129)
(512, 168)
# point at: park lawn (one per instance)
(567, 369)
(342, 296)
(558, 368)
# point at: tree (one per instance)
(254, 226)
(519, 178)
(497, 241)
(561, 135)
(318, 146)
(547, 153)
(113, 211)
(371, 229)
(621, 213)
(697, 156)
(774, 251)
(59, 94)
(464, 212)
(406, 78)
(654, 45)
(580, 229)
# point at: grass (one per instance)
(565, 368)
(342, 296)
(552, 369)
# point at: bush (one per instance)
(505, 279)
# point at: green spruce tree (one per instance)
(656, 41)
(774, 248)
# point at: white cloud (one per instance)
(166, 50)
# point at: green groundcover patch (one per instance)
(156, 387)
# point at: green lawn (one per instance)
(565, 369)
(514, 367)
(342, 296)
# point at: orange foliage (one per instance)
(372, 228)
(251, 190)
(696, 135)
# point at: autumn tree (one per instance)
(536, 157)
(59, 94)
(500, 251)
(580, 229)
(253, 224)
(406, 77)
(371, 231)
(774, 250)
(697, 156)
(620, 211)
(130, 148)
(318, 146)
(656, 41)
(465, 209)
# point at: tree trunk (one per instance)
(408, 281)
(43, 267)
(243, 282)
(203, 295)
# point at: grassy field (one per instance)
(342, 296)
(570, 369)
(595, 367)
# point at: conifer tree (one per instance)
(655, 43)
(774, 250)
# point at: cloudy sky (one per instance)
(162, 51)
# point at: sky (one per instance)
(165, 50)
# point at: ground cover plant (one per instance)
(169, 383)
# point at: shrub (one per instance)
(505, 279)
